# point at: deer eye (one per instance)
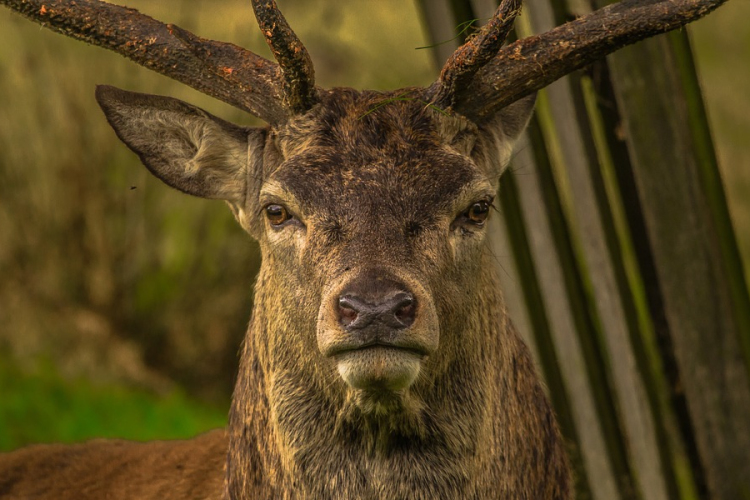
(478, 212)
(277, 214)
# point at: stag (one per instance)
(379, 361)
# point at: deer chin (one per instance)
(379, 368)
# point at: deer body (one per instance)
(379, 362)
(113, 469)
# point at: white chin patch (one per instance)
(379, 368)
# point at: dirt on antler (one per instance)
(477, 81)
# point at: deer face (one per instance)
(371, 214)
(375, 206)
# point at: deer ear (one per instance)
(514, 117)
(499, 134)
(184, 146)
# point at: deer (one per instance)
(379, 361)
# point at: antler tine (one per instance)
(469, 58)
(295, 62)
(532, 63)
(238, 76)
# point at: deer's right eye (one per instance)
(277, 214)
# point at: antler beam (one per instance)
(222, 70)
(532, 63)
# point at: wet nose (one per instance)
(390, 308)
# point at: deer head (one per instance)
(370, 208)
(364, 185)
(361, 204)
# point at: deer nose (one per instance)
(394, 310)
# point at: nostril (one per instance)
(404, 309)
(394, 311)
(347, 311)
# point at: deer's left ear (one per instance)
(499, 134)
(184, 146)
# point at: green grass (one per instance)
(41, 406)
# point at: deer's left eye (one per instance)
(277, 214)
(478, 212)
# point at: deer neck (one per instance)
(294, 434)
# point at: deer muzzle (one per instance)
(378, 329)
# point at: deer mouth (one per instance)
(348, 347)
(379, 366)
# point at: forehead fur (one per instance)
(385, 146)
(376, 121)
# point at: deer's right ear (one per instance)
(184, 146)
(501, 132)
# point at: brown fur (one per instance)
(375, 190)
(476, 424)
(104, 469)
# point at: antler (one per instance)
(479, 79)
(532, 63)
(469, 58)
(222, 70)
(297, 68)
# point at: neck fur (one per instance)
(466, 433)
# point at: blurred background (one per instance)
(123, 303)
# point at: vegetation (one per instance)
(42, 407)
(112, 277)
